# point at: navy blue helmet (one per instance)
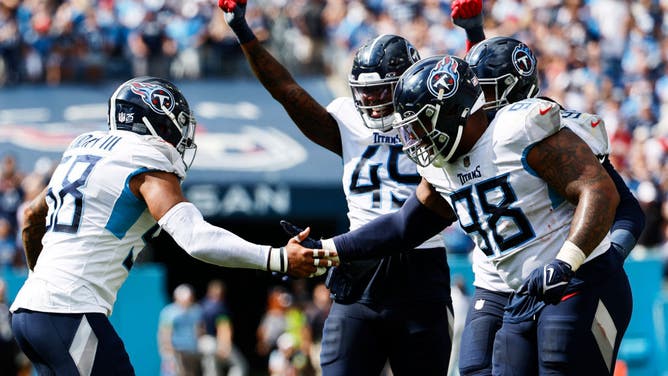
(376, 69)
(433, 100)
(507, 70)
(153, 106)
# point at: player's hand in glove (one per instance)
(235, 16)
(466, 13)
(293, 231)
(549, 282)
(307, 258)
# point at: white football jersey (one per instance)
(516, 221)
(96, 226)
(377, 176)
(591, 129)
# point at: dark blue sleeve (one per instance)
(629, 217)
(401, 230)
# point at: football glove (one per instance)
(294, 231)
(467, 14)
(235, 16)
(548, 283)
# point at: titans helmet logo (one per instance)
(444, 77)
(523, 60)
(155, 96)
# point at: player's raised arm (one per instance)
(34, 227)
(184, 222)
(310, 116)
(467, 14)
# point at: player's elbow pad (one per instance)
(208, 243)
(401, 230)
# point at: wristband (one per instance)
(571, 254)
(277, 260)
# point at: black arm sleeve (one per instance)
(629, 217)
(401, 230)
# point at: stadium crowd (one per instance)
(618, 69)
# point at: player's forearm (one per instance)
(310, 116)
(399, 231)
(629, 219)
(34, 228)
(271, 74)
(593, 218)
(209, 243)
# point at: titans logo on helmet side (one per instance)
(155, 96)
(444, 76)
(523, 60)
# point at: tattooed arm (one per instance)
(567, 164)
(311, 117)
(34, 227)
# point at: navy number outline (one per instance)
(71, 188)
(374, 185)
(494, 213)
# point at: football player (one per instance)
(535, 200)
(395, 308)
(507, 70)
(111, 191)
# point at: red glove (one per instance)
(229, 5)
(462, 8)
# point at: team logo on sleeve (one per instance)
(523, 60)
(155, 96)
(444, 77)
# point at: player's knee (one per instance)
(555, 344)
(475, 357)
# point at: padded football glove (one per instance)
(467, 14)
(549, 282)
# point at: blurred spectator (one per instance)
(7, 244)
(179, 329)
(11, 193)
(273, 322)
(220, 355)
(316, 312)
(288, 359)
(10, 46)
(151, 48)
(282, 316)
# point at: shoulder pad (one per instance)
(590, 128)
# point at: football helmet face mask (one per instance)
(507, 70)
(154, 106)
(376, 69)
(433, 100)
